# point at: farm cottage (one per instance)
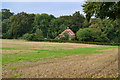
(68, 32)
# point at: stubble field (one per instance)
(25, 59)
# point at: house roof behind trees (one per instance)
(69, 31)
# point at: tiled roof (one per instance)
(68, 30)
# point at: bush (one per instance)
(65, 36)
(4, 35)
(30, 37)
(39, 34)
(73, 38)
(70, 41)
(91, 35)
(7, 35)
(34, 36)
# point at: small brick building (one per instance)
(68, 31)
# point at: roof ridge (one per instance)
(69, 30)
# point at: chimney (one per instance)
(67, 27)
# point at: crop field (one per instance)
(25, 59)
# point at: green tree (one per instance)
(56, 27)
(42, 21)
(6, 14)
(109, 27)
(65, 36)
(112, 30)
(78, 20)
(5, 25)
(21, 23)
(39, 34)
(91, 34)
(74, 21)
(97, 23)
(85, 24)
(102, 10)
(29, 36)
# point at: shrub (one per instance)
(39, 34)
(29, 37)
(34, 36)
(7, 35)
(91, 35)
(70, 41)
(65, 36)
(73, 38)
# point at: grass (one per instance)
(33, 52)
(16, 75)
(13, 68)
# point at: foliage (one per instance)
(5, 25)
(65, 36)
(56, 27)
(109, 27)
(21, 23)
(7, 35)
(112, 31)
(102, 9)
(34, 36)
(91, 34)
(29, 37)
(106, 10)
(85, 24)
(39, 34)
(101, 28)
(74, 22)
(42, 21)
(5, 14)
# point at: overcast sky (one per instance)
(55, 8)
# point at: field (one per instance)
(25, 59)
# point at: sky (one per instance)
(55, 8)
(42, 0)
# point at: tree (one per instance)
(42, 21)
(29, 36)
(85, 24)
(97, 23)
(5, 25)
(56, 27)
(6, 14)
(21, 23)
(91, 34)
(74, 21)
(102, 10)
(111, 30)
(39, 34)
(107, 26)
(65, 36)
(78, 19)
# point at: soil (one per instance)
(99, 65)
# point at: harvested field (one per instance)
(22, 59)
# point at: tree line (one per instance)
(102, 28)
